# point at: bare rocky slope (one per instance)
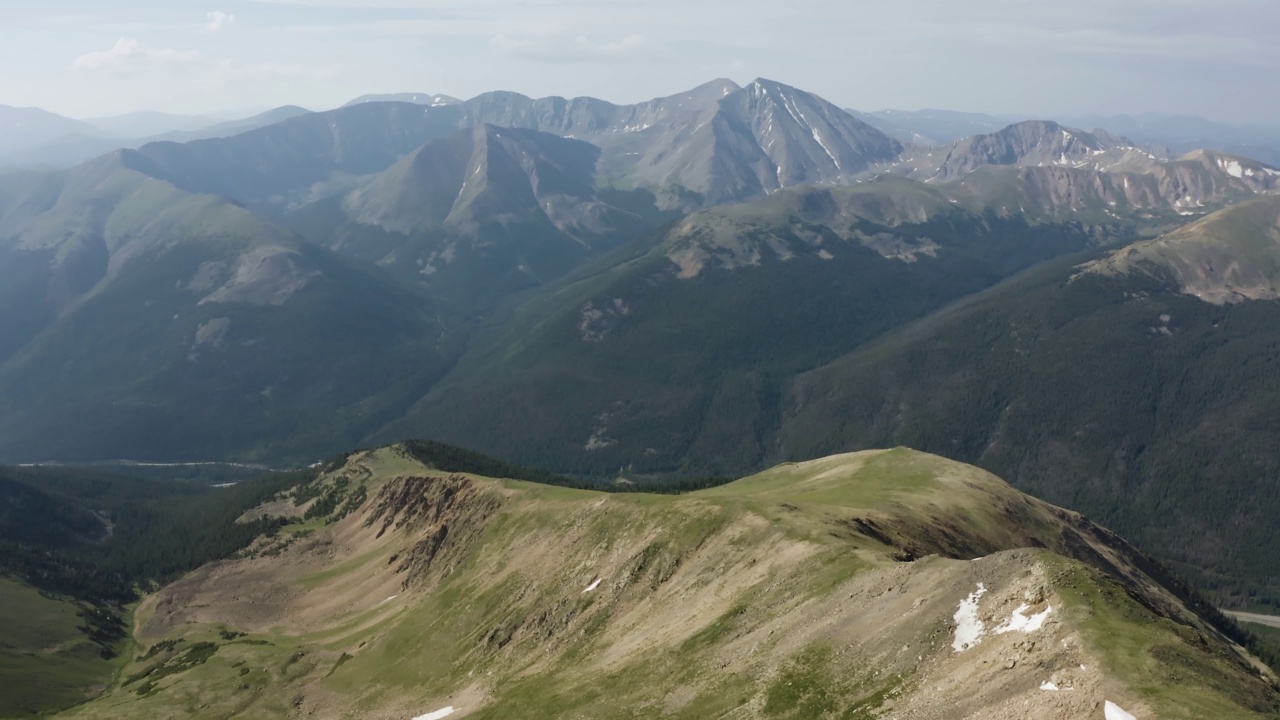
(1228, 257)
(883, 584)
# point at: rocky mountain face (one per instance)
(890, 584)
(1045, 168)
(720, 141)
(717, 143)
(482, 213)
(1183, 133)
(1110, 206)
(1033, 143)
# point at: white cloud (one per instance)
(128, 55)
(219, 20)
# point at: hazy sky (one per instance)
(1217, 58)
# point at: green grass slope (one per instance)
(826, 589)
(47, 661)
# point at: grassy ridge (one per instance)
(759, 597)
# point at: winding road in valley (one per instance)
(1268, 620)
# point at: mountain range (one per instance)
(717, 143)
(1180, 133)
(26, 128)
(702, 284)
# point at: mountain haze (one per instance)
(140, 316)
(80, 145)
(23, 128)
(415, 98)
(149, 123)
(931, 127)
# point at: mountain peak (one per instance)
(762, 82)
(763, 87)
(722, 86)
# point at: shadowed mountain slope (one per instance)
(147, 322)
(1137, 388)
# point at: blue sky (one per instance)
(1213, 58)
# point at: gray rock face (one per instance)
(1043, 168)
(483, 204)
(719, 141)
(1033, 143)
